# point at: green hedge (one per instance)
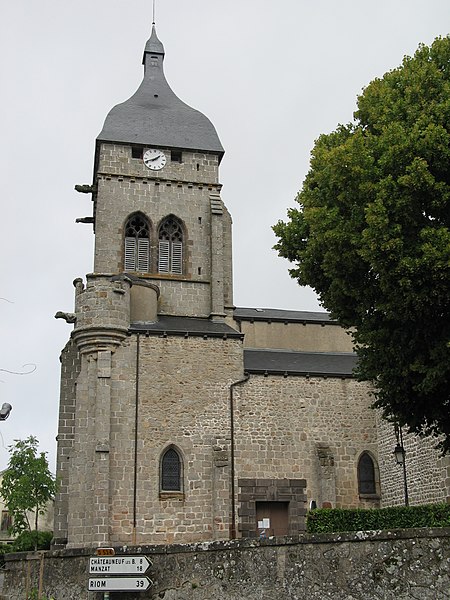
(5, 549)
(331, 520)
(25, 542)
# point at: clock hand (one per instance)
(157, 156)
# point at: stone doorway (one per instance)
(282, 499)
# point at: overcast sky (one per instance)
(271, 76)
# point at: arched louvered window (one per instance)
(171, 471)
(137, 244)
(170, 236)
(367, 477)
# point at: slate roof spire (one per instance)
(155, 116)
(153, 45)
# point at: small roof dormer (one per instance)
(155, 116)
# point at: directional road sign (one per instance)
(119, 584)
(119, 564)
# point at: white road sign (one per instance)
(118, 564)
(119, 584)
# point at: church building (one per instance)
(182, 417)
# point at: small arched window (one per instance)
(367, 483)
(170, 237)
(137, 244)
(171, 471)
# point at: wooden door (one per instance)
(272, 518)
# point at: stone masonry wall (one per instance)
(307, 337)
(198, 167)
(311, 429)
(397, 565)
(185, 297)
(102, 303)
(305, 428)
(427, 473)
(228, 260)
(184, 402)
(121, 196)
(126, 186)
(70, 368)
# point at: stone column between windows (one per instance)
(217, 257)
(100, 529)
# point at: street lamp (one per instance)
(400, 459)
(399, 452)
(4, 411)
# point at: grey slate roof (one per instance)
(275, 314)
(187, 326)
(276, 362)
(155, 116)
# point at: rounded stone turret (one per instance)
(102, 311)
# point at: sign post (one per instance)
(119, 584)
(119, 565)
(109, 564)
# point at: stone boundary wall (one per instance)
(399, 564)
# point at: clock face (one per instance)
(154, 159)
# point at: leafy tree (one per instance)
(27, 484)
(32, 540)
(371, 236)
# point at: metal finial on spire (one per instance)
(154, 14)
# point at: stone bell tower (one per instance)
(157, 207)
(147, 371)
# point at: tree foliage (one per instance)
(371, 236)
(27, 484)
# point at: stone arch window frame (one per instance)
(171, 493)
(150, 245)
(183, 261)
(376, 476)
